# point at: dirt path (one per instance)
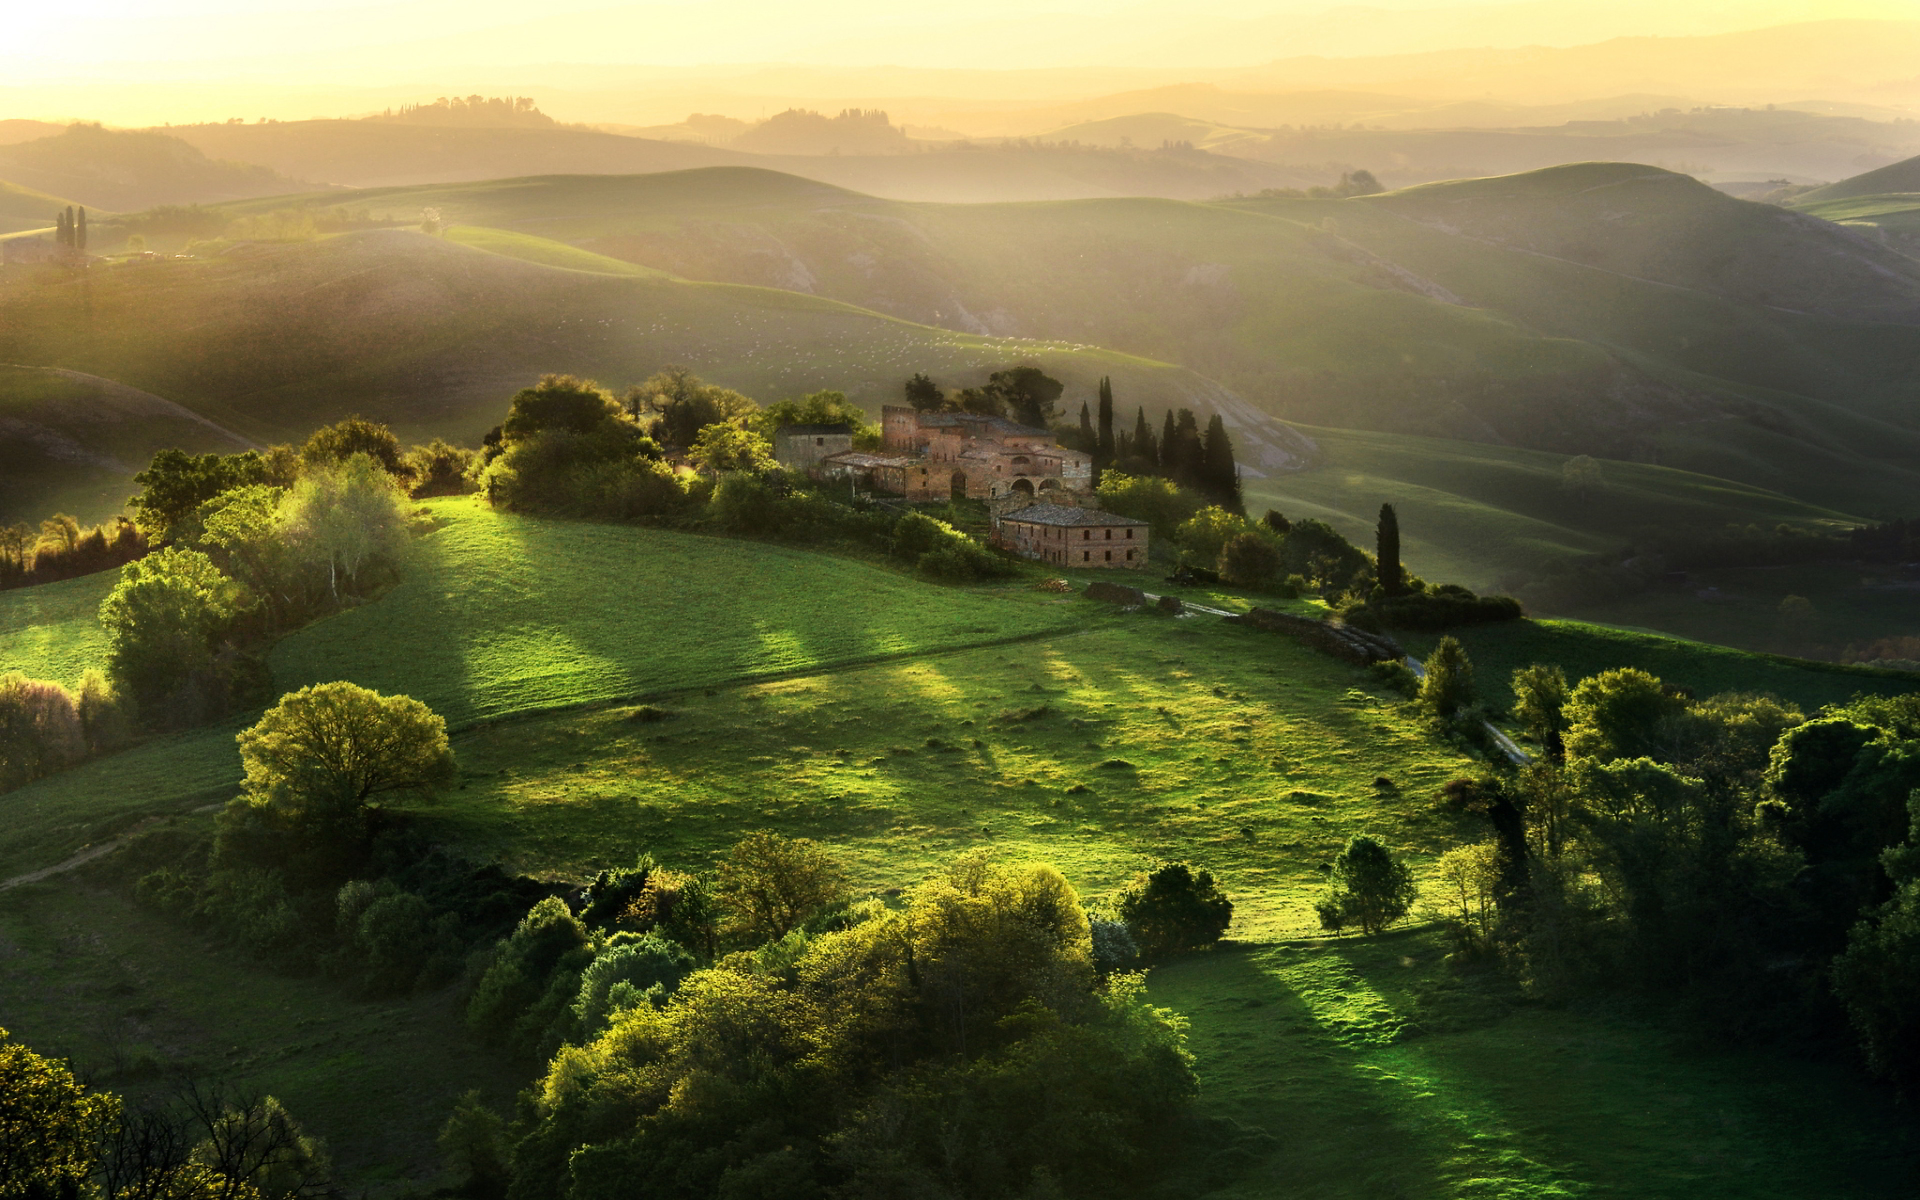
(87, 855)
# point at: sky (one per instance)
(148, 61)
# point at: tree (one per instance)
(1580, 476)
(175, 485)
(333, 444)
(816, 408)
(1448, 688)
(1368, 887)
(725, 448)
(163, 619)
(1623, 713)
(1393, 577)
(1089, 440)
(341, 517)
(570, 404)
(439, 468)
(682, 405)
(1031, 394)
(50, 1125)
(770, 884)
(1144, 447)
(1249, 560)
(1468, 881)
(1170, 459)
(40, 730)
(924, 394)
(1221, 474)
(332, 748)
(473, 1144)
(80, 232)
(1540, 701)
(1175, 908)
(1104, 450)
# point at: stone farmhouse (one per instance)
(802, 447)
(934, 456)
(1073, 537)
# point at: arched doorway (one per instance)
(1049, 485)
(957, 486)
(1023, 486)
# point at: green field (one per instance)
(53, 631)
(905, 722)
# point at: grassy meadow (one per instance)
(617, 690)
(53, 631)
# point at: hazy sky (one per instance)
(315, 40)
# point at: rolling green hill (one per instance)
(1701, 332)
(1900, 177)
(129, 169)
(23, 208)
(826, 697)
(433, 336)
(71, 442)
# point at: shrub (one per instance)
(1113, 946)
(41, 730)
(1448, 688)
(163, 620)
(440, 468)
(1175, 908)
(1249, 560)
(1396, 676)
(943, 552)
(331, 445)
(632, 970)
(542, 957)
(1159, 502)
(1444, 607)
(1368, 887)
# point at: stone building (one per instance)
(986, 458)
(891, 473)
(1073, 537)
(803, 447)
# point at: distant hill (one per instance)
(800, 131)
(70, 442)
(1893, 179)
(25, 208)
(13, 131)
(126, 170)
(433, 336)
(376, 154)
(1702, 332)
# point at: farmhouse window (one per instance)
(1086, 535)
(1129, 538)
(1129, 556)
(819, 441)
(1109, 556)
(1086, 556)
(1109, 535)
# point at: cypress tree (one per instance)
(1169, 445)
(1222, 473)
(1087, 441)
(80, 232)
(1103, 451)
(1393, 579)
(1189, 464)
(1143, 444)
(60, 228)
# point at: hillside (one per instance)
(433, 336)
(1710, 334)
(1037, 726)
(1894, 178)
(23, 208)
(70, 442)
(126, 170)
(368, 154)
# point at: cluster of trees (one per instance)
(759, 1031)
(469, 111)
(45, 728)
(1351, 183)
(1756, 862)
(70, 229)
(61, 1138)
(1025, 394)
(63, 548)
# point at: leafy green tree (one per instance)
(1540, 702)
(818, 408)
(336, 443)
(1448, 689)
(1204, 535)
(632, 970)
(768, 885)
(1393, 577)
(1174, 908)
(163, 620)
(924, 394)
(1249, 560)
(1159, 502)
(334, 748)
(562, 403)
(1030, 394)
(50, 1125)
(1622, 713)
(175, 485)
(728, 448)
(342, 517)
(241, 530)
(439, 468)
(681, 405)
(532, 978)
(1368, 886)
(473, 1143)
(40, 729)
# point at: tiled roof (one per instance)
(1061, 514)
(813, 430)
(980, 424)
(860, 458)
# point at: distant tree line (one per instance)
(469, 111)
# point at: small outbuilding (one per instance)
(804, 447)
(1073, 537)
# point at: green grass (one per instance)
(545, 251)
(1586, 649)
(53, 631)
(1374, 1069)
(1472, 513)
(133, 997)
(904, 723)
(502, 614)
